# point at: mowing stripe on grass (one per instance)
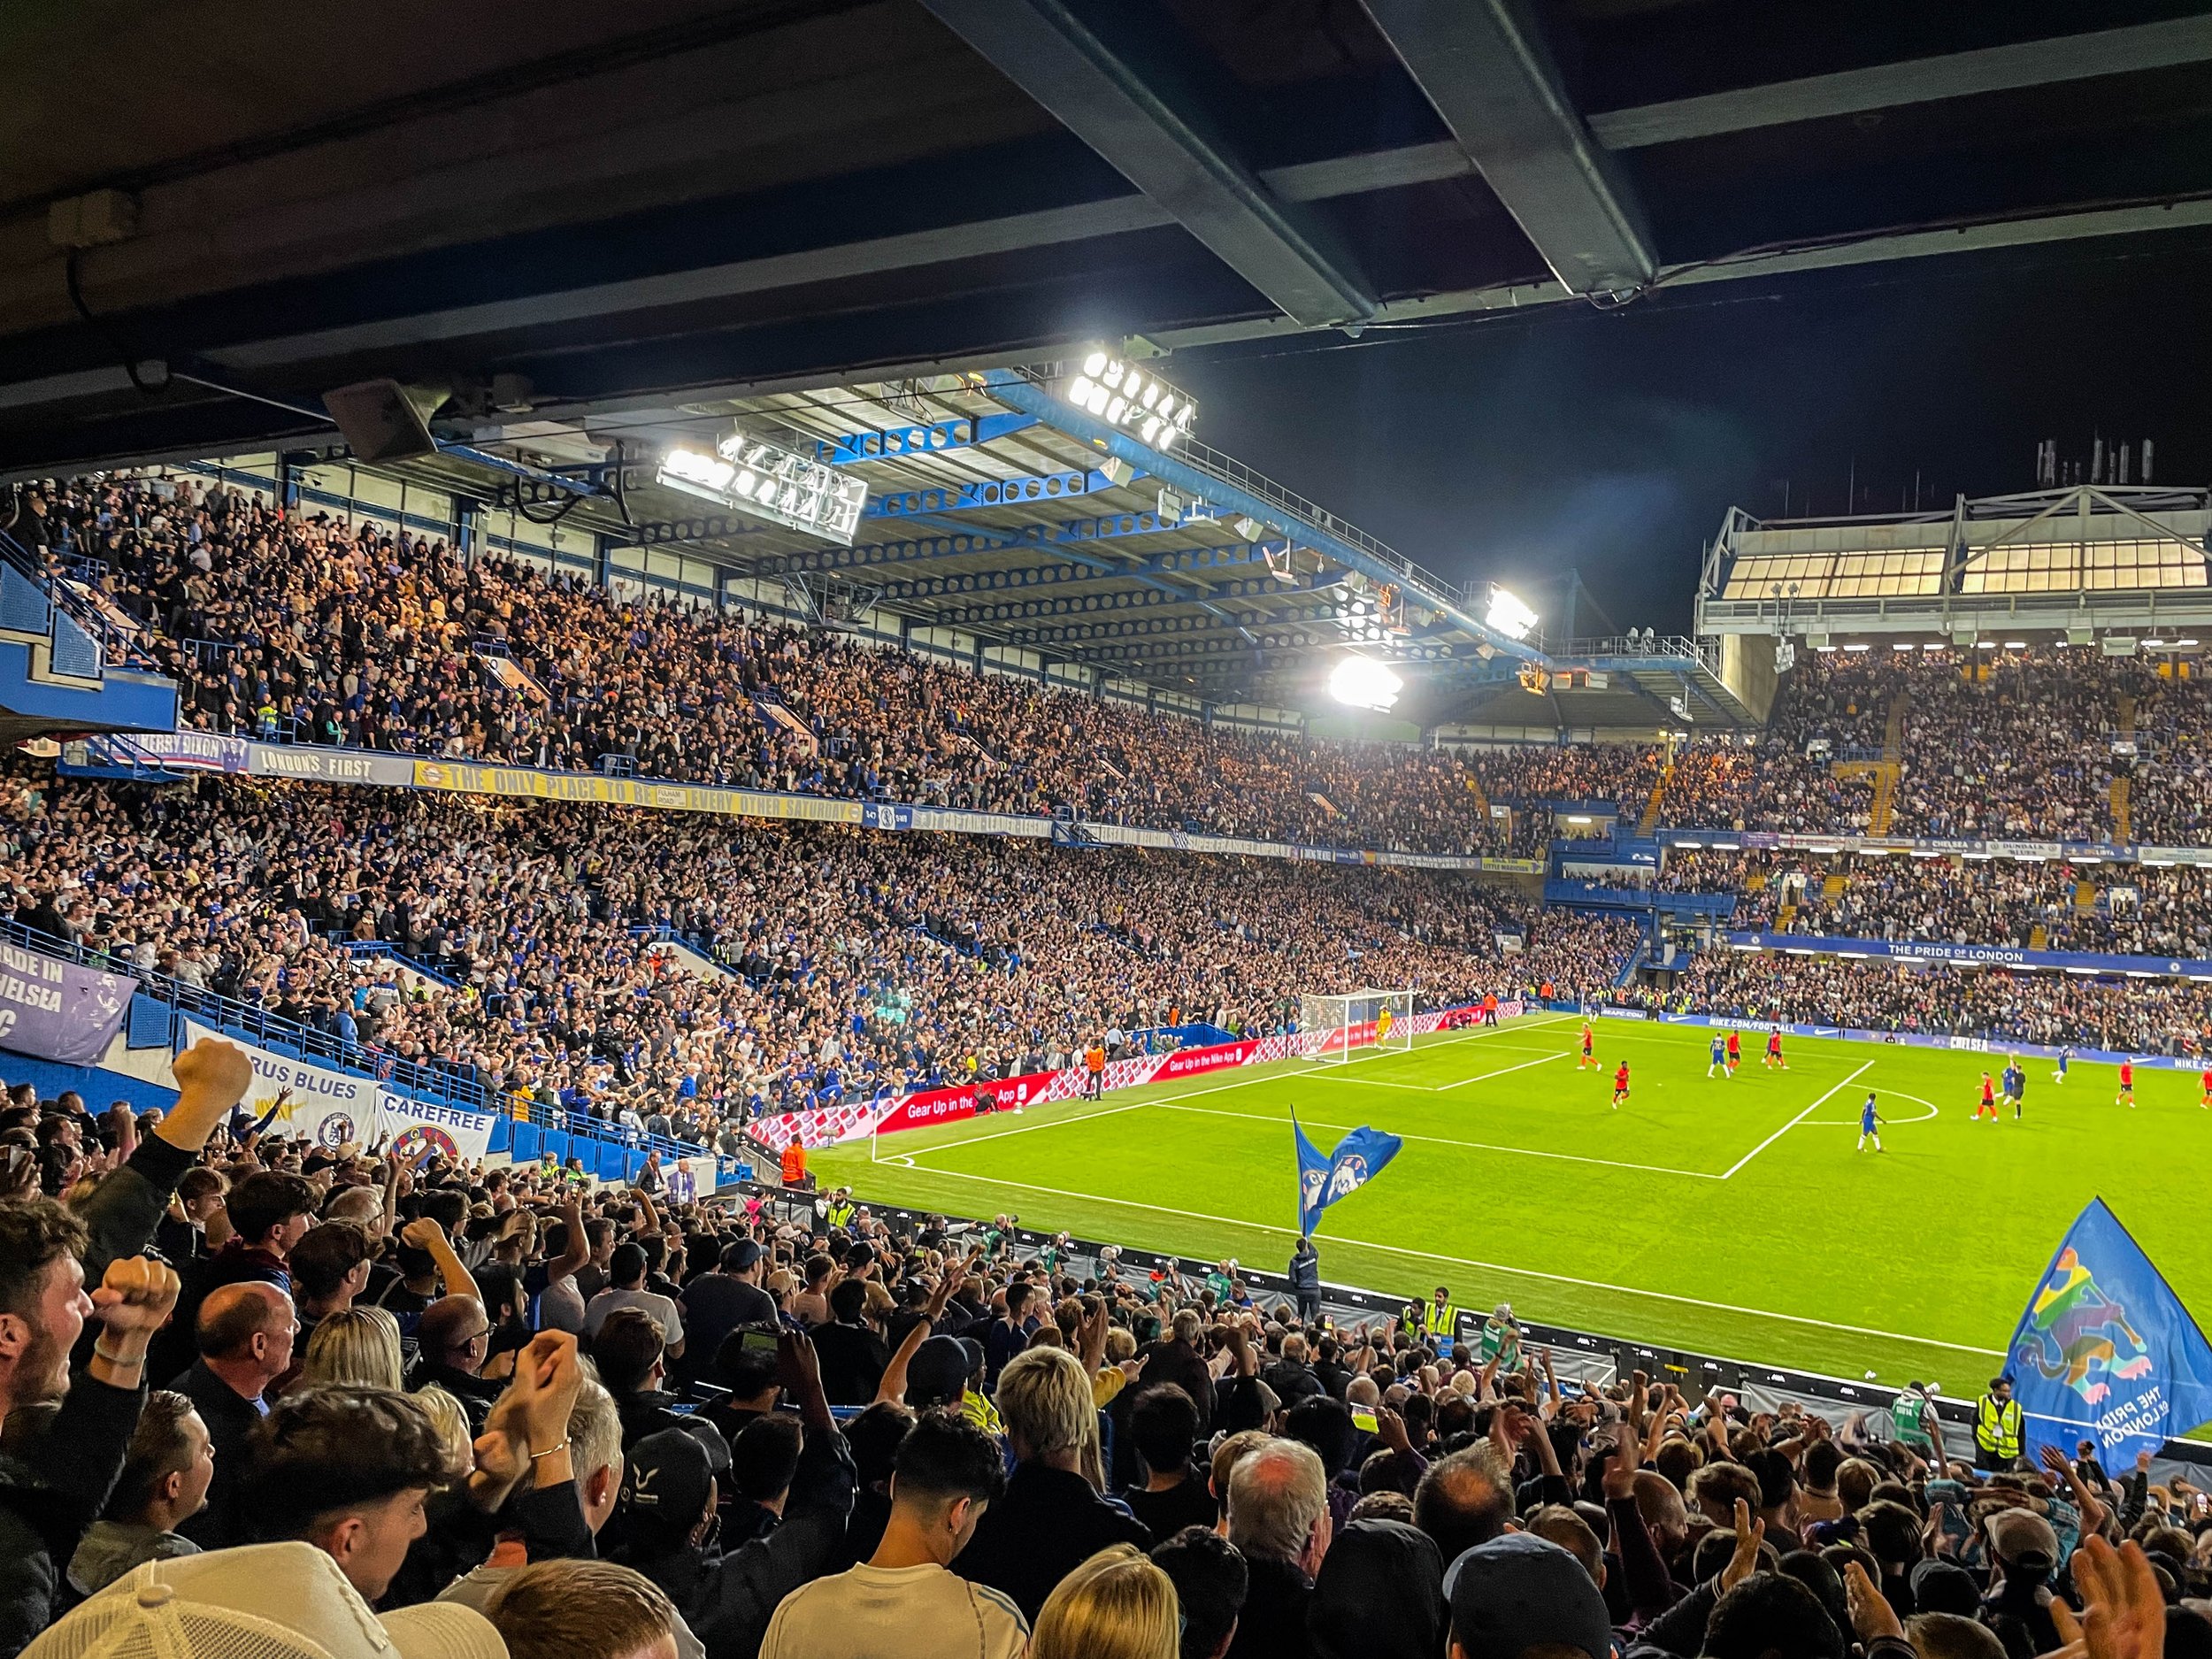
(1267, 1074)
(1442, 1140)
(1488, 1267)
(1793, 1122)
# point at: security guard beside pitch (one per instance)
(1997, 1424)
(1437, 1321)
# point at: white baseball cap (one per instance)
(259, 1601)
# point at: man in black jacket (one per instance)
(668, 1494)
(1305, 1279)
(1279, 1519)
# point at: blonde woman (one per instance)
(1051, 1519)
(451, 1421)
(356, 1344)
(1116, 1605)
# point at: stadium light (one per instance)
(766, 480)
(2015, 645)
(1507, 615)
(1122, 394)
(1364, 683)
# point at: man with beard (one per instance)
(56, 1479)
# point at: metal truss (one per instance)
(935, 437)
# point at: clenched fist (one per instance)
(213, 1068)
(135, 1296)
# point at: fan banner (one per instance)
(2106, 1351)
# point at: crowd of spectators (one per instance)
(312, 629)
(2124, 910)
(491, 1413)
(2146, 1015)
(856, 963)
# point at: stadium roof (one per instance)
(996, 509)
(2094, 559)
(596, 206)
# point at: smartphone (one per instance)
(757, 1342)
(1363, 1420)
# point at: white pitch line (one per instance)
(1486, 1267)
(1477, 1146)
(1502, 1070)
(1793, 1122)
(1063, 1119)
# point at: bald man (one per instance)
(451, 1338)
(245, 1334)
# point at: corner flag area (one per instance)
(1731, 1216)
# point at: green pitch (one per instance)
(1729, 1216)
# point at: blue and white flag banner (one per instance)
(2105, 1350)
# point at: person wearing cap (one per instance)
(1380, 1595)
(55, 1477)
(2023, 1551)
(280, 1601)
(1518, 1592)
(719, 1302)
(667, 1509)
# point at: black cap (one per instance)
(666, 1481)
(739, 1255)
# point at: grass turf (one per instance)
(1728, 1217)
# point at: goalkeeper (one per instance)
(1382, 1025)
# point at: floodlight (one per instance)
(1364, 684)
(1507, 615)
(2015, 645)
(771, 482)
(1123, 396)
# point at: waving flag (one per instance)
(1358, 1158)
(2106, 1351)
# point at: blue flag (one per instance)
(1358, 1158)
(2106, 1351)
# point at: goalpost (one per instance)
(1364, 1019)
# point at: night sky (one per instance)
(1514, 449)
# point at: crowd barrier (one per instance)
(826, 1126)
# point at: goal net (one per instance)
(1344, 1025)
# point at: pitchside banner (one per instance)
(2106, 1351)
(332, 1107)
(55, 1010)
(826, 1126)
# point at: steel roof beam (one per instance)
(1060, 54)
(2130, 51)
(1011, 387)
(1485, 66)
(985, 492)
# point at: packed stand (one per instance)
(501, 1416)
(2055, 1009)
(310, 629)
(858, 963)
(2122, 909)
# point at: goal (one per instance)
(1342, 1025)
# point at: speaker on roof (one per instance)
(382, 421)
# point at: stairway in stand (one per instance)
(1885, 807)
(1650, 820)
(2122, 817)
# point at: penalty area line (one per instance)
(1486, 1267)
